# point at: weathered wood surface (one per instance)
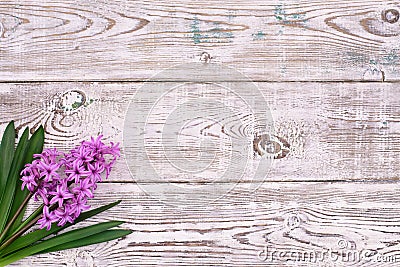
(297, 217)
(133, 40)
(335, 131)
(74, 67)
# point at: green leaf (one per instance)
(58, 240)
(90, 240)
(9, 192)
(6, 155)
(37, 235)
(35, 146)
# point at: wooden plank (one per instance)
(298, 217)
(271, 40)
(334, 131)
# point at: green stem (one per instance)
(19, 233)
(20, 209)
(38, 211)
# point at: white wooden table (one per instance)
(329, 71)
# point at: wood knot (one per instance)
(292, 221)
(67, 102)
(271, 146)
(9, 24)
(390, 15)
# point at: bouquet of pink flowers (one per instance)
(62, 183)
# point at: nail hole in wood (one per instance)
(205, 57)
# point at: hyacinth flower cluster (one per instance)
(64, 182)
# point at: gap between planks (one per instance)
(174, 81)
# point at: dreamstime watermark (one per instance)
(343, 253)
(189, 131)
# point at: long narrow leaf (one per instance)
(37, 235)
(58, 240)
(90, 240)
(6, 155)
(9, 192)
(35, 146)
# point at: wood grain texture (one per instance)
(272, 40)
(232, 231)
(74, 66)
(334, 131)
